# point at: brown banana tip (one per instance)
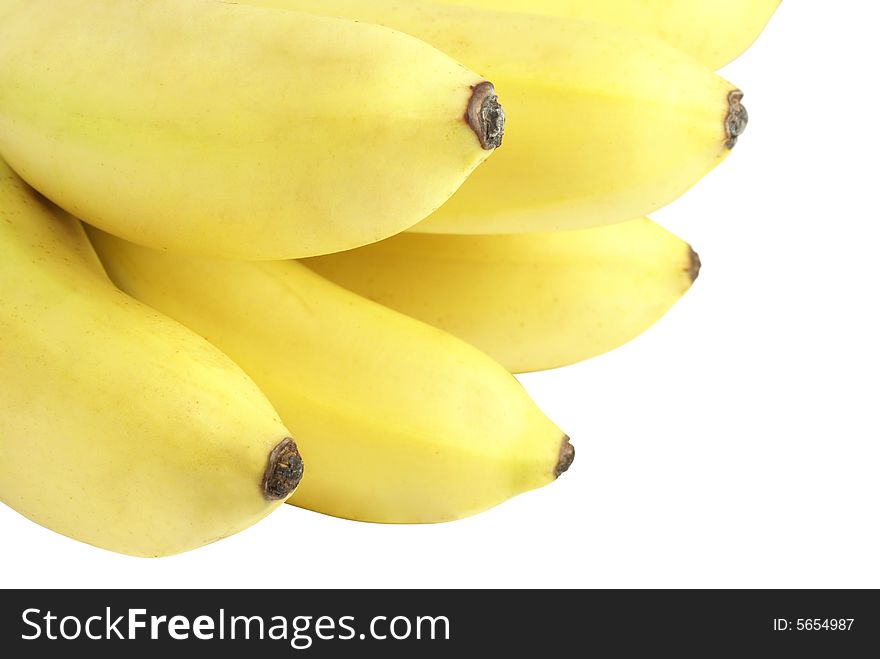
(284, 471)
(694, 265)
(485, 116)
(737, 118)
(566, 456)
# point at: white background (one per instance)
(734, 445)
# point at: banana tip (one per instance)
(566, 456)
(737, 118)
(694, 265)
(485, 116)
(284, 471)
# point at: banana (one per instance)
(714, 31)
(232, 130)
(399, 421)
(606, 125)
(118, 426)
(531, 301)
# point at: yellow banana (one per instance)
(118, 426)
(399, 421)
(606, 125)
(234, 130)
(714, 31)
(531, 301)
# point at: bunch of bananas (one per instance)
(168, 364)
